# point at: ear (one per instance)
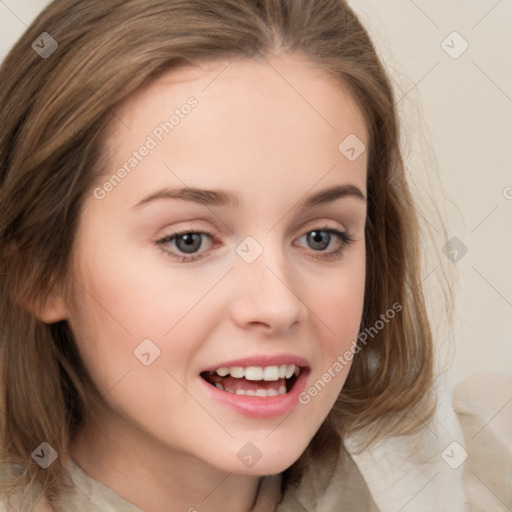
(53, 309)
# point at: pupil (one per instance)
(191, 242)
(319, 240)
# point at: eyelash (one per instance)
(334, 255)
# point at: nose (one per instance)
(267, 294)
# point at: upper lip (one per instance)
(262, 361)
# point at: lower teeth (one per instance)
(253, 392)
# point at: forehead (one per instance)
(239, 82)
(255, 123)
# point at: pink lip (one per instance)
(255, 406)
(261, 360)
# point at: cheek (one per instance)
(121, 302)
(131, 292)
(340, 304)
(343, 316)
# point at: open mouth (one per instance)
(260, 381)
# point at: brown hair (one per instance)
(55, 111)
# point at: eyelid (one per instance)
(318, 224)
(343, 235)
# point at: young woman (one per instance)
(211, 294)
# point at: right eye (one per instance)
(185, 242)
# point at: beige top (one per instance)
(424, 473)
(484, 409)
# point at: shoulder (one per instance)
(332, 482)
(412, 472)
(483, 404)
(39, 507)
(479, 395)
(408, 472)
(20, 500)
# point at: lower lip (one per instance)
(256, 406)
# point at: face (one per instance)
(207, 320)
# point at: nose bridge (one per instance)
(266, 285)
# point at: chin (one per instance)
(269, 456)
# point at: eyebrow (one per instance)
(224, 198)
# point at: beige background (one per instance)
(466, 108)
(457, 116)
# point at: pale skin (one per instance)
(162, 443)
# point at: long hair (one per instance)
(55, 110)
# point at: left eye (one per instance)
(189, 242)
(318, 240)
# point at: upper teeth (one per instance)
(259, 373)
